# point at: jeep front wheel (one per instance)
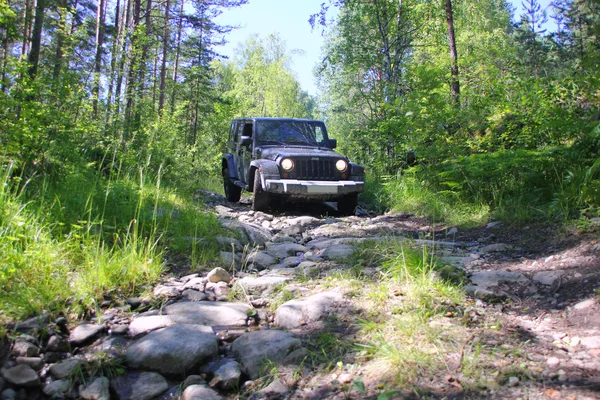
(232, 191)
(347, 205)
(260, 199)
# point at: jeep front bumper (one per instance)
(312, 188)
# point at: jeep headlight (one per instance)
(341, 165)
(287, 164)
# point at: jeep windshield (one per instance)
(294, 133)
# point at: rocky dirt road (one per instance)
(253, 328)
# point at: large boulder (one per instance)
(298, 312)
(173, 350)
(22, 375)
(254, 349)
(148, 324)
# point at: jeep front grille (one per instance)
(321, 169)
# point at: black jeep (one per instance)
(284, 158)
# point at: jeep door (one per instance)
(244, 151)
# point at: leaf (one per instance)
(359, 386)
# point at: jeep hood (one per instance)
(272, 153)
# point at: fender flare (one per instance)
(269, 169)
(227, 161)
(356, 170)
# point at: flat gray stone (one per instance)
(253, 349)
(229, 244)
(227, 376)
(338, 252)
(252, 234)
(482, 293)
(23, 348)
(200, 392)
(208, 313)
(302, 221)
(139, 386)
(230, 259)
(487, 279)
(97, 389)
(34, 362)
(142, 325)
(165, 291)
(196, 283)
(84, 333)
(173, 350)
(584, 305)
(275, 389)
(57, 388)
(65, 369)
(281, 251)
(261, 260)
(218, 275)
(22, 375)
(58, 344)
(194, 295)
(494, 248)
(591, 342)
(298, 312)
(548, 278)
(261, 284)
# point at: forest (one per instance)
(113, 113)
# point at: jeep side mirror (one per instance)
(245, 140)
(332, 144)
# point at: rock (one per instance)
(148, 324)
(227, 376)
(22, 375)
(34, 323)
(199, 392)
(261, 260)
(34, 362)
(261, 284)
(23, 348)
(58, 344)
(452, 231)
(119, 329)
(195, 284)
(57, 388)
(230, 259)
(339, 252)
(296, 357)
(584, 305)
(591, 342)
(552, 362)
(65, 369)
(253, 349)
(84, 333)
(173, 350)
(139, 385)
(495, 248)
(218, 275)
(165, 291)
(298, 312)
(97, 389)
(8, 394)
(229, 244)
(513, 381)
(275, 390)
(482, 293)
(548, 278)
(487, 279)
(207, 313)
(194, 295)
(253, 235)
(281, 251)
(302, 221)
(493, 224)
(193, 380)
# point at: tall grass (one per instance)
(66, 243)
(402, 339)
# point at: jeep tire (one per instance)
(261, 200)
(232, 191)
(347, 205)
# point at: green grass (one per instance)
(66, 243)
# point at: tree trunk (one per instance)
(177, 51)
(145, 47)
(121, 70)
(27, 16)
(455, 85)
(36, 38)
(100, 22)
(130, 90)
(163, 66)
(60, 36)
(113, 61)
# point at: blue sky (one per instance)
(289, 18)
